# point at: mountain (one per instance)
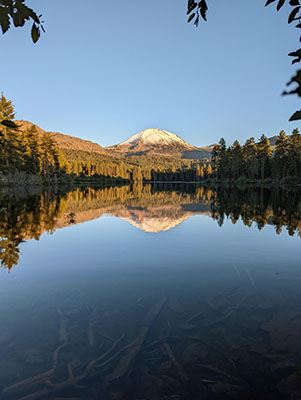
(152, 142)
(159, 142)
(65, 141)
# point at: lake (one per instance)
(150, 292)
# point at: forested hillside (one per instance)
(63, 141)
(135, 168)
(27, 149)
(259, 161)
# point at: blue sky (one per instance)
(106, 70)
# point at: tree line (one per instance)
(259, 161)
(136, 168)
(28, 217)
(27, 151)
(38, 155)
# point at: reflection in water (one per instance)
(104, 311)
(149, 208)
(262, 206)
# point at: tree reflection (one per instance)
(281, 208)
(29, 217)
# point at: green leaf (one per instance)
(203, 9)
(203, 4)
(191, 8)
(293, 14)
(294, 2)
(35, 33)
(197, 20)
(4, 19)
(280, 4)
(269, 2)
(191, 17)
(203, 14)
(296, 116)
(296, 53)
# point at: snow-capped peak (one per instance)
(153, 137)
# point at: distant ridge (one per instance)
(65, 141)
(149, 142)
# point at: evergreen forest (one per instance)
(28, 157)
(259, 161)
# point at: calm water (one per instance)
(150, 293)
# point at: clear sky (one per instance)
(106, 70)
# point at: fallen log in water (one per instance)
(43, 378)
(42, 383)
(175, 362)
(72, 380)
(26, 384)
(124, 366)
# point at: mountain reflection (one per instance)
(151, 208)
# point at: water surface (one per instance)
(147, 292)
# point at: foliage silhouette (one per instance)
(197, 10)
(17, 12)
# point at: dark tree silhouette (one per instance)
(16, 12)
(198, 10)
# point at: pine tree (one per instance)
(249, 154)
(6, 109)
(264, 153)
(280, 155)
(33, 141)
(8, 139)
(10, 144)
(209, 169)
(49, 156)
(294, 152)
(237, 160)
(198, 172)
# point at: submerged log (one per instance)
(63, 334)
(175, 362)
(26, 384)
(72, 380)
(90, 333)
(125, 364)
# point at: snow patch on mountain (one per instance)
(153, 137)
